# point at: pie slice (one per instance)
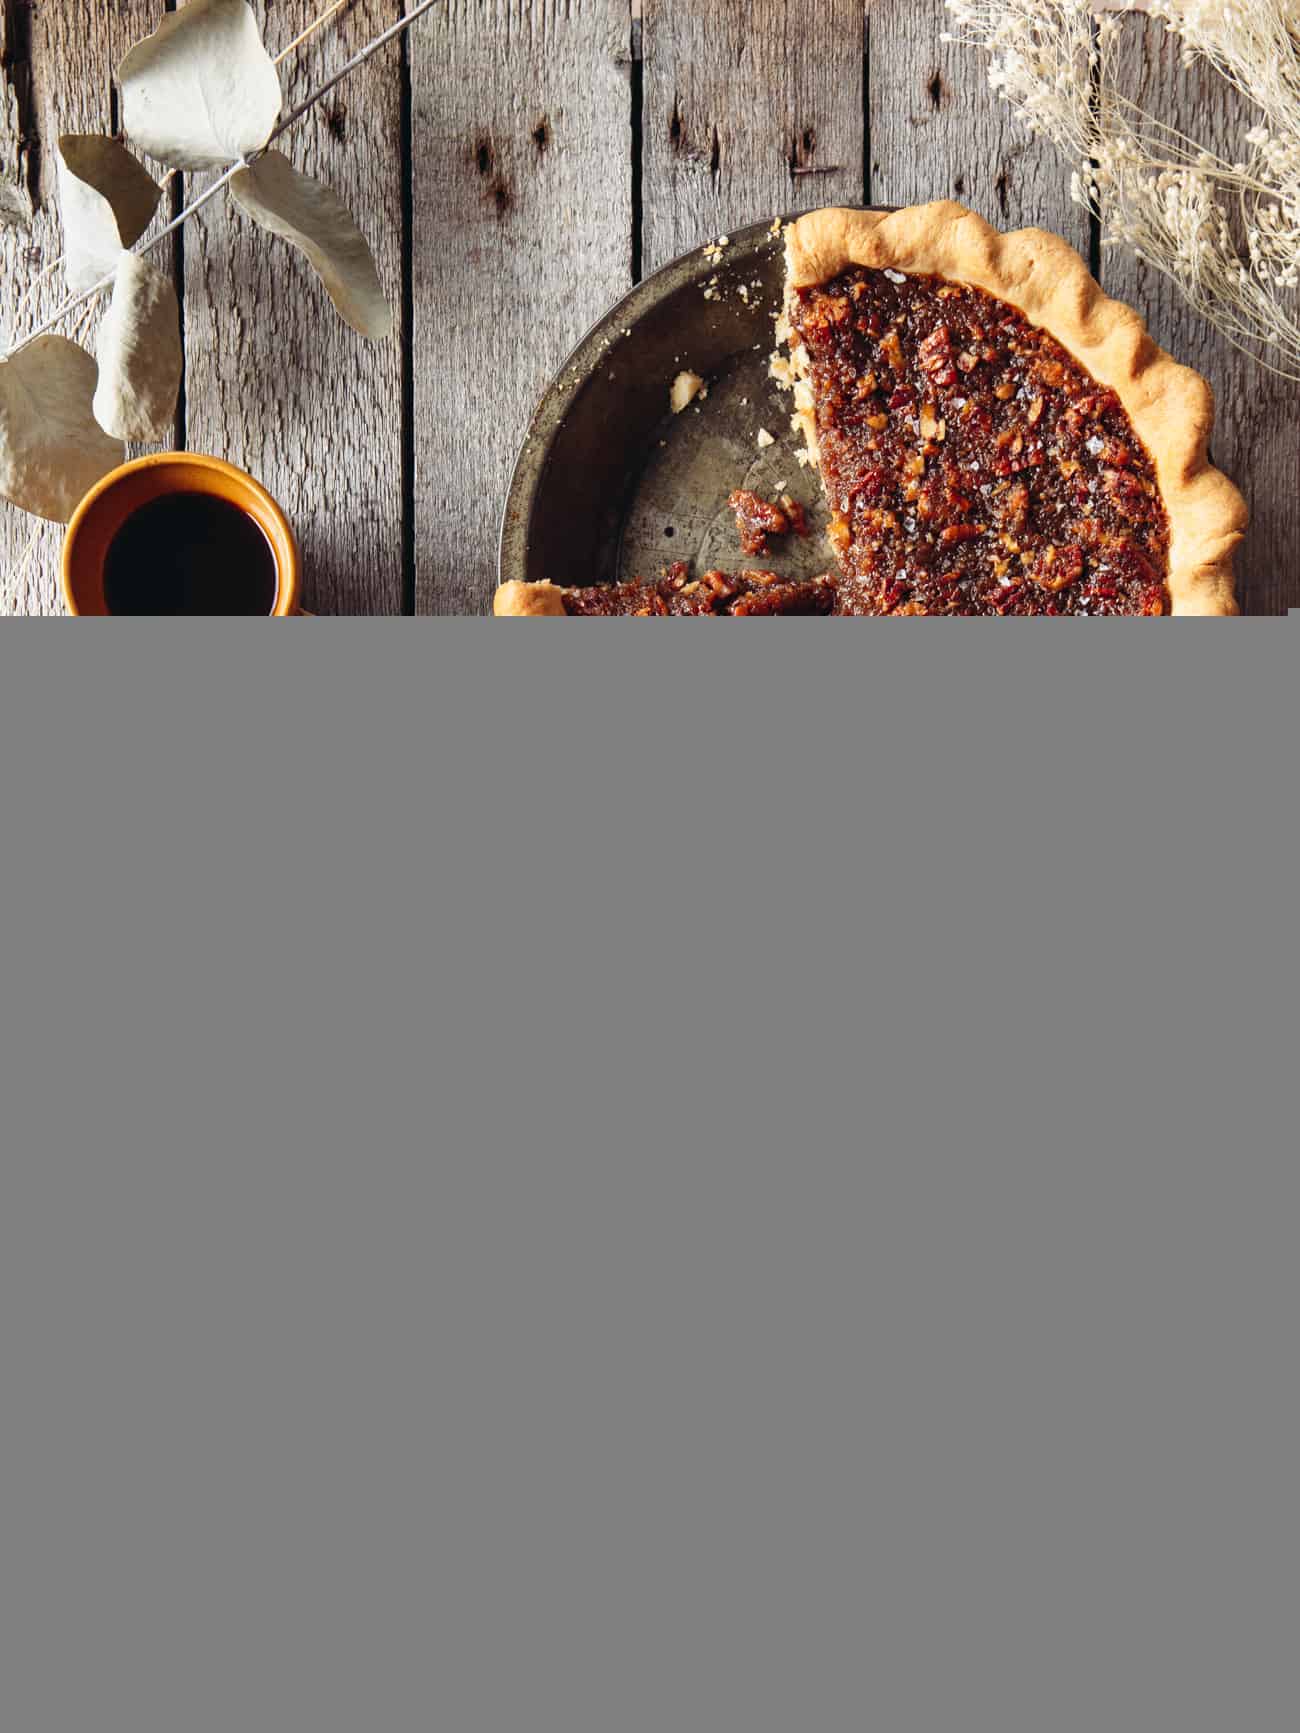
(715, 594)
(996, 435)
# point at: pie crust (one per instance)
(529, 601)
(1170, 408)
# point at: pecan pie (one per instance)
(995, 435)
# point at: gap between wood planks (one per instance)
(408, 602)
(799, 169)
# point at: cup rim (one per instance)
(287, 557)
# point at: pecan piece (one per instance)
(795, 515)
(892, 349)
(1126, 492)
(756, 519)
(1057, 567)
(1013, 508)
(934, 354)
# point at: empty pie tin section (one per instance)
(612, 485)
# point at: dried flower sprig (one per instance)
(1226, 232)
(201, 93)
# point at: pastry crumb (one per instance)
(685, 389)
(764, 439)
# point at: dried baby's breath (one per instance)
(1226, 232)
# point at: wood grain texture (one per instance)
(522, 186)
(937, 130)
(275, 381)
(1255, 435)
(522, 200)
(57, 77)
(742, 101)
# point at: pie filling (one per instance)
(972, 465)
(716, 593)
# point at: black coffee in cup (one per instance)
(190, 553)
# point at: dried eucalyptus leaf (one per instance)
(107, 199)
(314, 218)
(202, 91)
(52, 450)
(140, 355)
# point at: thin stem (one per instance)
(371, 49)
(74, 302)
(40, 277)
(17, 577)
(315, 25)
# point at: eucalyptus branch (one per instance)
(290, 48)
(75, 302)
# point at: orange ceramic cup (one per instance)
(108, 505)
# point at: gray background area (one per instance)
(568, 1181)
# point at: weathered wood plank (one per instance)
(274, 380)
(57, 77)
(741, 103)
(937, 130)
(1255, 436)
(522, 197)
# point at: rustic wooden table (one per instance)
(518, 164)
